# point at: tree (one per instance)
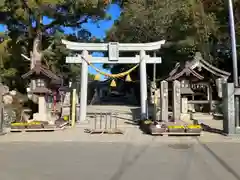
(187, 26)
(28, 35)
(5, 71)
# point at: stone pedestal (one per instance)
(185, 117)
(42, 105)
(43, 114)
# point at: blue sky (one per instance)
(97, 29)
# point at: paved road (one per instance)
(119, 161)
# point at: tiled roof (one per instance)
(189, 68)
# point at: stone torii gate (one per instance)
(113, 49)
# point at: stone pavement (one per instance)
(131, 135)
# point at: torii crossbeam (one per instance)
(113, 49)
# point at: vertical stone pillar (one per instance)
(208, 92)
(164, 100)
(73, 110)
(184, 105)
(1, 109)
(228, 109)
(219, 84)
(210, 99)
(42, 108)
(176, 100)
(158, 104)
(84, 86)
(143, 84)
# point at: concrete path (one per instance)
(73, 154)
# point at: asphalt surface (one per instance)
(119, 161)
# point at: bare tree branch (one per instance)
(25, 57)
(25, 5)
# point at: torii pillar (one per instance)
(113, 49)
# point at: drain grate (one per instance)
(180, 146)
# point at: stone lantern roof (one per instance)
(41, 71)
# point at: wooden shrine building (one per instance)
(105, 94)
(201, 83)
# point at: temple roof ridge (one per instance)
(198, 57)
(189, 68)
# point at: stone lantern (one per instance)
(43, 82)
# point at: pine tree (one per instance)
(29, 36)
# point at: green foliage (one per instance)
(91, 76)
(187, 26)
(24, 21)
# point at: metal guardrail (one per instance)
(104, 123)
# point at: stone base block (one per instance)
(185, 117)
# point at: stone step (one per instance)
(122, 111)
(113, 108)
(202, 116)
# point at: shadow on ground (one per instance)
(207, 128)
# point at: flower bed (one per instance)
(26, 123)
(23, 125)
(152, 127)
(193, 128)
(176, 128)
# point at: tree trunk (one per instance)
(36, 54)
